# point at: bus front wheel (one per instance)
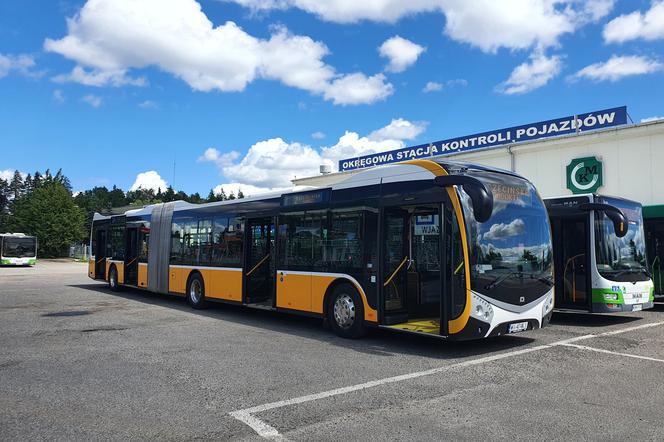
(345, 312)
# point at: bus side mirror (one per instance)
(480, 195)
(616, 216)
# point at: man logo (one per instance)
(584, 175)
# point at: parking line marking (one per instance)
(629, 329)
(267, 431)
(601, 350)
(260, 427)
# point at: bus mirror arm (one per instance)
(480, 195)
(613, 213)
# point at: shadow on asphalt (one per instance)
(378, 342)
(590, 319)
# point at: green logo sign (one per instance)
(584, 175)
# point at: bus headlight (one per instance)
(611, 296)
(481, 309)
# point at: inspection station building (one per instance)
(594, 152)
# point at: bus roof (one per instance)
(391, 173)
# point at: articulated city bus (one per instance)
(438, 248)
(18, 249)
(600, 254)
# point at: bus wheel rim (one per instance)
(195, 291)
(344, 311)
(112, 279)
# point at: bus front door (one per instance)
(571, 239)
(412, 265)
(131, 257)
(100, 254)
(259, 268)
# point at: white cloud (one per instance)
(432, 86)
(93, 100)
(22, 64)
(486, 24)
(59, 96)
(108, 38)
(648, 25)
(247, 189)
(149, 180)
(532, 74)
(399, 129)
(148, 104)
(358, 89)
(99, 78)
(318, 135)
(400, 52)
(501, 231)
(649, 119)
(618, 67)
(273, 163)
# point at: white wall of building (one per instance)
(632, 160)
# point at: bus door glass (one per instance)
(654, 230)
(131, 256)
(412, 261)
(572, 241)
(259, 266)
(100, 253)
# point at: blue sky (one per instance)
(128, 89)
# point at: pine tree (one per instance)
(169, 195)
(222, 195)
(37, 180)
(5, 193)
(240, 194)
(16, 185)
(231, 196)
(211, 197)
(28, 185)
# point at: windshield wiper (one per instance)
(500, 279)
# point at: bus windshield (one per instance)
(511, 253)
(13, 247)
(621, 259)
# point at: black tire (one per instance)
(196, 292)
(347, 320)
(113, 282)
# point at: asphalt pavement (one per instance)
(79, 362)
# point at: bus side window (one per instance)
(176, 242)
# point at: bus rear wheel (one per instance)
(196, 292)
(113, 279)
(345, 312)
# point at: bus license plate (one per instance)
(637, 307)
(518, 327)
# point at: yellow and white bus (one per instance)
(445, 249)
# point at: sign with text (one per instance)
(544, 129)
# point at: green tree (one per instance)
(240, 195)
(16, 185)
(49, 213)
(117, 197)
